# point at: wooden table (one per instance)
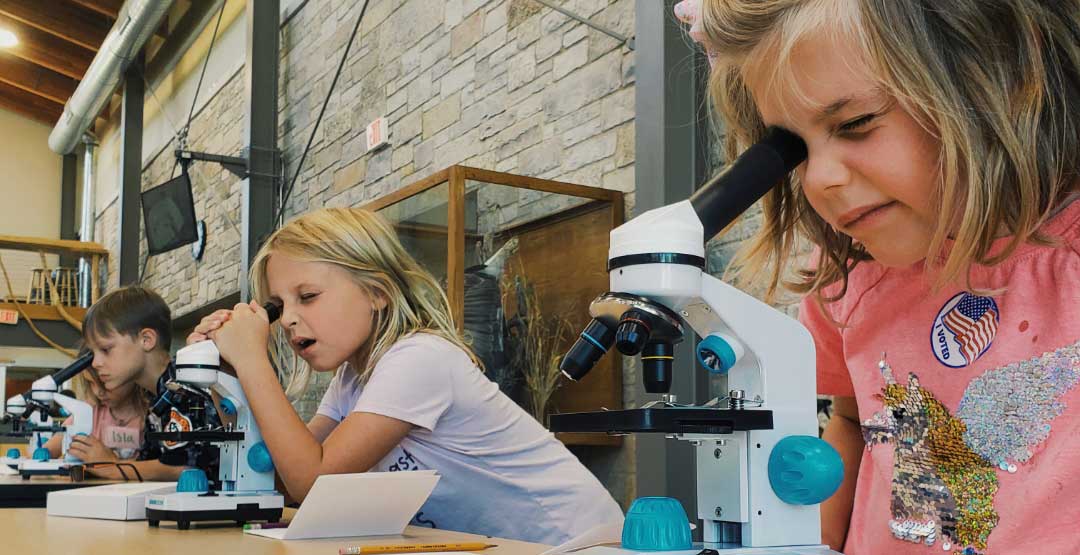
(31, 531)
(15, 492)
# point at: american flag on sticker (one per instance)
(973, 322)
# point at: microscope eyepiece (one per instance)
(589, 347)
(273, 311)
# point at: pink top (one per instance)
(122, 436)
(971, 427)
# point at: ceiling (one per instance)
(57, 41)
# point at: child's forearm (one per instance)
(297, 454)
(54, 445)
(844, 434)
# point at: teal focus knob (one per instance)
(41, 454)
(258, 458)
(656, 524)
(804, 470)
(14, 453)
(192, 480)
(228, 407)
(715, 355)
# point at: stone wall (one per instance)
(507, 85)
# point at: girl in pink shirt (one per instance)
(118, 422)
(943, 294)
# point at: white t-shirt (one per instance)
(503, 474)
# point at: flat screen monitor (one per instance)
(169, 215)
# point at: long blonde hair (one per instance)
(994, 82)
(362, 243)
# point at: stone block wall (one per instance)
(507, 85)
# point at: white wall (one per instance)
(30, 188)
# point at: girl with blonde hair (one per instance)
(407, 392)
(943, 141)
(118, 420)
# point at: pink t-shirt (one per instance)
(973, 426)
(122, 436)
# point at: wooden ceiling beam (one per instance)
(108, 8)
(30, 105)
(63, 20)
(47, 51)
(35, 79)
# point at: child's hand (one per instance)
(243, 337)
(209, 324)
(91, 449)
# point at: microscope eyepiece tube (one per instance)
(273, 311)
(589, 347)
(73, 369)
(758, 169)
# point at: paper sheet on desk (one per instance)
(365, 504)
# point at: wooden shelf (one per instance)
(46, 311)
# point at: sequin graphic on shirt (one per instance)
(964, 329)
(945, 473)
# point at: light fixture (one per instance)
(8, 39)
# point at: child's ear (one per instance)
(379, 301)
(148, 339)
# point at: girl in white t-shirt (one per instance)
(407, 393)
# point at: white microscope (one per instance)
(246, 469)
(761, 470)
(31, 414)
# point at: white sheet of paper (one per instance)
(364, 504)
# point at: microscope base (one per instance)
(54, 467)
(726, 549)
(188, 507)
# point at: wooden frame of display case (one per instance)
(456, 178)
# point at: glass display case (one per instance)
(521, 259)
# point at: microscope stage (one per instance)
(666, 420)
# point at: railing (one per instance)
(53, 291)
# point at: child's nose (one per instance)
(823, 170)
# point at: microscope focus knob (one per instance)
(41, 454)
(804, 470)
(258, 458)
(192, 480)
(633, 332)
(14, 453)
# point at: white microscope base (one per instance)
(51, 467)
(185, 508)
(799, 550)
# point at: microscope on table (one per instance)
(33, 413)
(246, 472)
(761, 470)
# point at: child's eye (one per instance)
(857, 123)
(308, 296)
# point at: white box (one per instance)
(126, 501)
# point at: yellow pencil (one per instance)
(414, 548)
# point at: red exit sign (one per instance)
(8, 316)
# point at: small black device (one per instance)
(169, 215)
